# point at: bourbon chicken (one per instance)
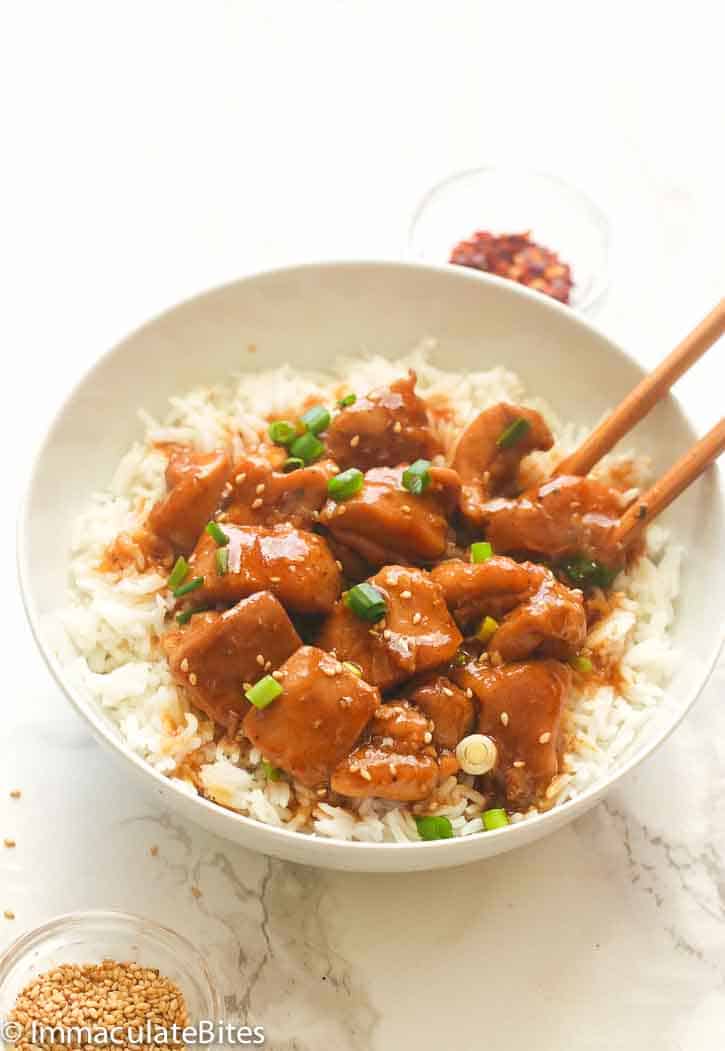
(336, 623)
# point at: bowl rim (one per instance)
(602, 279)
(318, 848)
(138, 925)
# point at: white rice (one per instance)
(112, 622)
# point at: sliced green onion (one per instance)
(347, 401)
(282, 432)
(217, 534)
(263, 692)
(494, 819)
(185, 589)
(292, 463)
(416, 478)
(460, 659)
(366, 602)
(270, 772)
(481, 551)
(586, 571)
(353, 668)
(221, 559)
(582, 664)
(307, 447)
(185, 617)
(316, 419)
(431, 827)
(181, 568)
(345, 484)
(513, 433)
(487, 629)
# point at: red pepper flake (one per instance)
(518, 258)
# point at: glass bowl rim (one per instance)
(598, 216)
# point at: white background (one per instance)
(153, 149)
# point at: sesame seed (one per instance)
(341, 509)
(268, 665)
(192, 678)
(417, 617)
(504, 717)
(397, 427)
(387, 633)
(241, 477)
(246, 686)
(355, 441)
(195, 891)
(257, 503)
(274, 580)
(427, 737)
(447, 692)
(406, 594)
(518, 763)
(260, 488)
(185, 665)
(366, 774)
(393, 770)
(260, 660)
(405, 509)
(469, 693)
(338, 563)
(277, 675)
(322, 792)
(545, 738)
(9, 843)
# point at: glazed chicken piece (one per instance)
(217, 653)
(385, 523)
(538, 614)
(493, 588)
(552, 623)
(416, 635)
(296, 566)
(565, 517)
(487, 468)
(387, 427)
(520, 708)
(316, 720)
(195, 482)
(261, 495)
(451, 711)
(398, 761)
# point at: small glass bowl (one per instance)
(514, 200)
(94, 936)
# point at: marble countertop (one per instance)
(167, 147)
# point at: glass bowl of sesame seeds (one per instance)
(529, 226)
(113, 950)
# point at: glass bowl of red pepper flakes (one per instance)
(526, 226)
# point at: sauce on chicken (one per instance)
(368, 616)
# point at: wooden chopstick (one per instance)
(645, 395)
(689, 467)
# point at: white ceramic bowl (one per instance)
(308, 315)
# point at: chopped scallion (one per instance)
(366, 601)
(282, 432)
(481, 551)
(221, 559)
(270, 772)
(292, 463)
(353, 668)
(460, 659)
(345, 484)
(416, 478)
(263, 692)
(307, 447)
(587, 572)
(217, 534)
(187, 614)
(513, 433)
(432, 827)
(582, 664)
(494, 819)
(487, 629)
(178, 573)
(316, 419)
(347, 401)
(185, 589)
